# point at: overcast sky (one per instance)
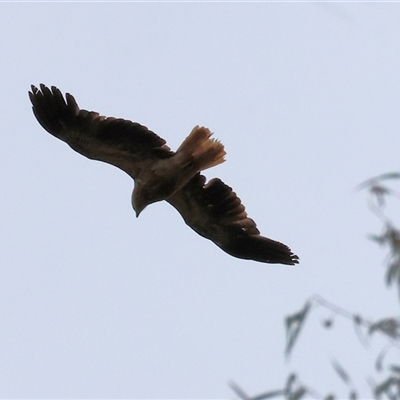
(96, 303)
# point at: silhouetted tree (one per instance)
(389, 386)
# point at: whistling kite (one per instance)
(213, 210)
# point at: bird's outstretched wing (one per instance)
(214, 211)
(123, 143)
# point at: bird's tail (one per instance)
(203, 151)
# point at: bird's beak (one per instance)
(138, 210)
(138, 203)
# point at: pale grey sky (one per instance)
(96, 303)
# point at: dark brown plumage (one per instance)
(212, 209)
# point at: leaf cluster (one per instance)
(388, 327)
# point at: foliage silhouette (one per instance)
(388, 327)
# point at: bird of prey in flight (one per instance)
(211, 209)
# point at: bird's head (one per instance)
(145, 194)
(140, 200)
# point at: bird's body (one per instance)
(213, 210)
